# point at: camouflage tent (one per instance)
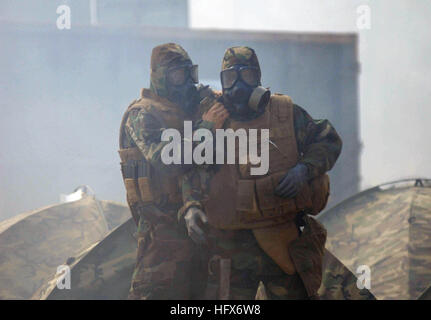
(339, 283)
(104, 271)
(101, 272)
(388, 229)
(34, 244)
(426, 295)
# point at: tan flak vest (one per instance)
(143, 184)
(238, 200)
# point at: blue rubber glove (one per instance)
(292, 182)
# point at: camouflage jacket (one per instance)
(319, 146)
(144, 131)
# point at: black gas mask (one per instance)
(243, 96)
(181, 86)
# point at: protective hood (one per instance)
(240, 55)
(162, 57)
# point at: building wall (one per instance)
(164, 13)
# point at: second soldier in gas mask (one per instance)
(260, 229)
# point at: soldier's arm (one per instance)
(195, 187)
(209, 99)
(195, 183)
(319, 144)
(146, 131)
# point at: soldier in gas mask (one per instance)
(166, 258)
(260, 228)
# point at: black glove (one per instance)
(192, 218)
(292, 182)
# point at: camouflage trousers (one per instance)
(250, 265)
(169, 265)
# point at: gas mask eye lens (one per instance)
(249, 76)
(228, 78)
(177, 76)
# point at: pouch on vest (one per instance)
(313, 196)
(270, 204)
(132, 194)
(303, 199)
(246, 201)
(265, 193)
(145, 189)
(307, 254)
(238, 200)
(320, 190)
(275, 242)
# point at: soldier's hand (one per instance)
(292, 182)
(216, 114)
(192, 218)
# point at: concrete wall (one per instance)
(163, 13)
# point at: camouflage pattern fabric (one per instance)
(240, 55)
(426, 295)
(250, 265)
(339, 283)
(307, 254)
(317, 141)
(163, 57)
(143, 129)
(193, 180)
(115, 213)
(145, 132)
(388, 229)
(34, 244)
(103, 271)
(169, 265)
(166, 255)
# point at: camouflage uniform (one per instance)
(319, 147)
(166, 258)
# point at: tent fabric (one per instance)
(388, 229)
(34, 244)
(426, 295)
(339, 283)
(105, 271)
(102, 272)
